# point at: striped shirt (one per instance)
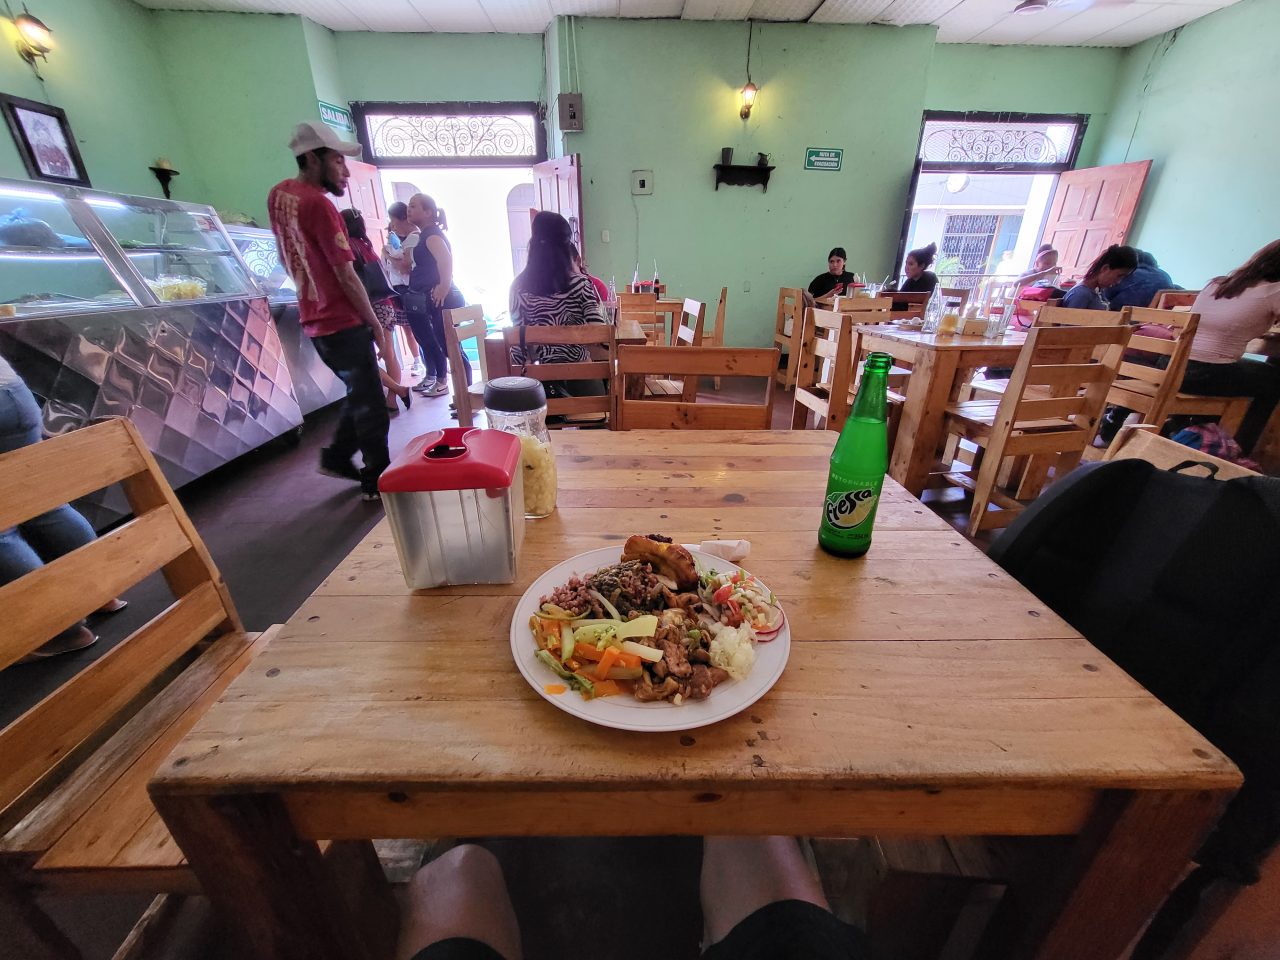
(577, 305)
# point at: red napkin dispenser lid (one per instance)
(456, 458)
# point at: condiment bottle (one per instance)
(518, 405)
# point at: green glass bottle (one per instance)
(858, 465)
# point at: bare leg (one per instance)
(742, 874)
(391, 375)
(460, 894)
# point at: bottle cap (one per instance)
(514, 395)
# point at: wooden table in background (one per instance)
(938, 363)
(926, 693)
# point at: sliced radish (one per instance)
(764, 636)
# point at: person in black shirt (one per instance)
(919, 278)
(836, 278)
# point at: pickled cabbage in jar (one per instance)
(538, 463)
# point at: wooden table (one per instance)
(926, 693)
(939, 363)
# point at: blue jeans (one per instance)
(38, 541)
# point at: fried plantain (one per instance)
(667, 559)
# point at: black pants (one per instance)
(364, 422)
(429, 332)
(1244, 378)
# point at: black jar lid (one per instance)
(514, 395)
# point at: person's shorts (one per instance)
(786, 930)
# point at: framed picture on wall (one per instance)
(44, 141)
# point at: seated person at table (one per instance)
(836, 280)
(1043, 271)
(759, 901)
(1113, 265)
(550, 293)
(1235, 309)
(1139, 288)
(917, 277)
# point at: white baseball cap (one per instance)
(313, 135)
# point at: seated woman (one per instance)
(1235, 309)
(1044, 270)
(550, 293)
(918, 278)
(836, 280)
(1112, 265)
(1139, 288)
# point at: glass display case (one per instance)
(257, 248)
(68, 250)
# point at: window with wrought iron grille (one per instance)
(1040, 143)
(451, 134)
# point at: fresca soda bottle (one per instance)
(858, 465)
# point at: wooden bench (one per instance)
(74, 811)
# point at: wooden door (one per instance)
(364, 192)
(1092, 209)
(557, 187)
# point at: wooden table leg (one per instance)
(1123, 866)
(267, 881)
(920, 431)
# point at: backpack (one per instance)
(1174, 577)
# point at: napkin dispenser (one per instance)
(455, 502)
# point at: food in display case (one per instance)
(169, 288)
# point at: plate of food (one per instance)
(651, 637)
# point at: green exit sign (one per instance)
(338, 118)
(823, 158)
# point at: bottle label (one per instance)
(848, 509)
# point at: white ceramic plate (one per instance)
(625, 712)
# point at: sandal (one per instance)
(80, 640)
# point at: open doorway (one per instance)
(983, 185)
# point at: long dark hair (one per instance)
(1262, 267)
(924, 256)
(551, 252)
(1115, 257)
(354, 220)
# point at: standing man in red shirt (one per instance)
(334, 309)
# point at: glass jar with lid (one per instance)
(518, 405)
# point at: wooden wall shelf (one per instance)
(742, 175)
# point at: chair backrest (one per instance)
(643, 309)
(1077, 388)
(1055, 316)
(907, 305)
(688, 332)
(790, 316)
(41, 604)
(1142, 441)
(691, 363)
(717, 330)
(599, 339)
(867, 309)
(461, 324)
(958, 296)
(1174, 299)
(1168, 379)
(1030, 309)
(826, 366)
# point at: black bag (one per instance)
(374, 280)
(417, 306)
(1174, 577)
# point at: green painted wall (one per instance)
(831, 87)
(1028, 80)
(242, 81)
(1201, 103)
(450, 66)
(104, 74)
(326, 67)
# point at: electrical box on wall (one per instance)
(641, 182)
(569, 111)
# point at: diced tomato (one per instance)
(721, 595)
(735, 612)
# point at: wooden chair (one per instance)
(957, 295)
(686, 333)
(1174, 299)
(717, 329)
(788, 333)
(600, 341)
(692, 363)
(826, 369)
(1060, 426)
(1142, 441)
(907, 305)
(1150, 390)
(74, 808)
(460, 324)
(867, 309)
(643, 308)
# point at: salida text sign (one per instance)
(823, 158)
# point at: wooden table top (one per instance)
(920, 667)
(1013, 339)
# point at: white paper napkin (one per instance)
(732, 550)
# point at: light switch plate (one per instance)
(641, 182)
(604, 236)
(569, 112)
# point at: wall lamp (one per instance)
(748, 93)
(34, 38)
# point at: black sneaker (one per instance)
(335, 465)
(370, 496)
